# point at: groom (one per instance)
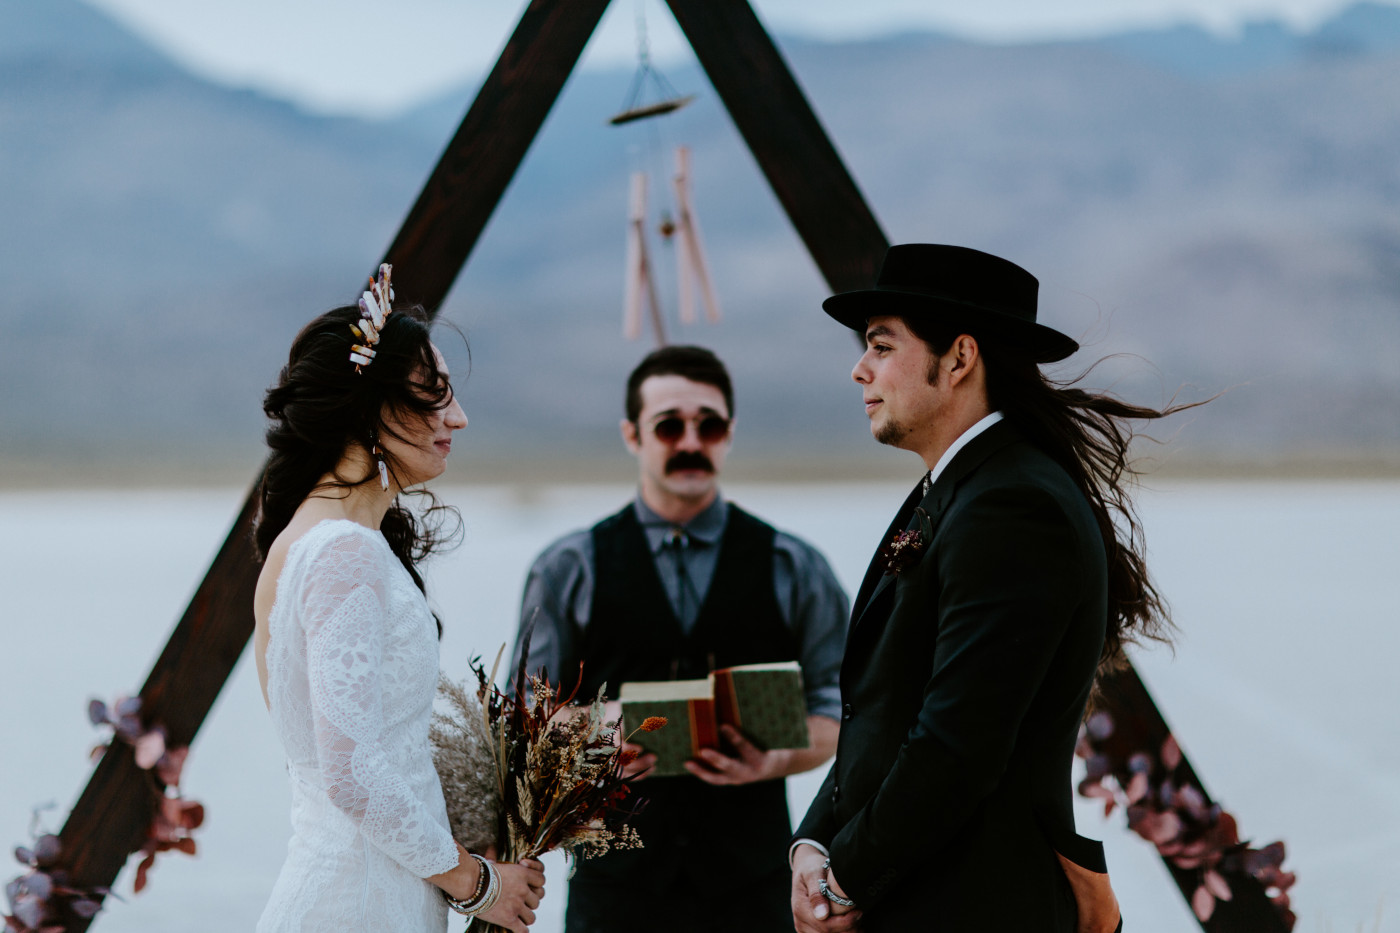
(978, 628)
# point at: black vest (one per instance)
(688, 827)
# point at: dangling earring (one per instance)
(383, 470)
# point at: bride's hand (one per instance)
(522, 886)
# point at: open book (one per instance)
(763, 701)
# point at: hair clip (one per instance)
(375, 307)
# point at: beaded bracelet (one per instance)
(493, 888)
(488, 890)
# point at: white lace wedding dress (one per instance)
(352, 666)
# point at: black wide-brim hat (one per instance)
(967, 290)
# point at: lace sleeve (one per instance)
(344, 615)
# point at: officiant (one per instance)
(676, 584)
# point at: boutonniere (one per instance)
(906, 547)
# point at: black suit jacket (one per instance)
(964, 682)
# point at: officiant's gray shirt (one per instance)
(812, 603)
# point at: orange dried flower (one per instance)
(652, 723)
(629, 755)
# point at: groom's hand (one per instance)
(811, 911)
(747, 766)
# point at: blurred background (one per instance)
(186, 184)
(1206, 189)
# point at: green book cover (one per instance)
(766, 702)
(689, 708)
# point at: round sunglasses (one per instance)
(711, 428)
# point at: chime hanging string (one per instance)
(692, 267)
(640, 293)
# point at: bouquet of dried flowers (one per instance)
(523, 772)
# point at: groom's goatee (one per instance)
(688, 460)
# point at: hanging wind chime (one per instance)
(692, 270)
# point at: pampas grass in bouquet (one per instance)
(526, 773)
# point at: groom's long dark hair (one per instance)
(1088, 434)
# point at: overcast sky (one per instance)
(374, 57)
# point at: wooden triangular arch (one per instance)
(110, 818)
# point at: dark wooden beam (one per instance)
(110, 819)
(794, 152)
(1138, 725)
(471, 177)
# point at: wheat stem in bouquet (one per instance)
(556, 772)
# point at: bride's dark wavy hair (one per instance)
(1088, 434)
(320, 407)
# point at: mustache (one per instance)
(689, 460)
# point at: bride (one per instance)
(346, 647)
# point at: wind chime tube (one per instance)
(685, 279)
(635, 271)
(689, 229)
(653, 302)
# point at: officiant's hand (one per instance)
(749, 765)
(811, 911)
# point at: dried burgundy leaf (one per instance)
(171, 764)
(1100, 726)
(1168, 827)
(1203, 904)
(192, 815)
(1138, 787)
(1227, 831)
(1271, 855)
(1092, 788)
(141, 871)
(1082, 747)
(1171, 753)
(30, 910)
(1191, 800)
(47, 849)
(129, 727)
(1195, 848)
(149, 749)
(38, 884)
(186, 845)
(1217, 884)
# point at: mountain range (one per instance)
(1216, 214)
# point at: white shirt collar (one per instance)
(963, 439)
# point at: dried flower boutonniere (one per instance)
(906, 547)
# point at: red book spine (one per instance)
(704, 732)
(726, 701)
